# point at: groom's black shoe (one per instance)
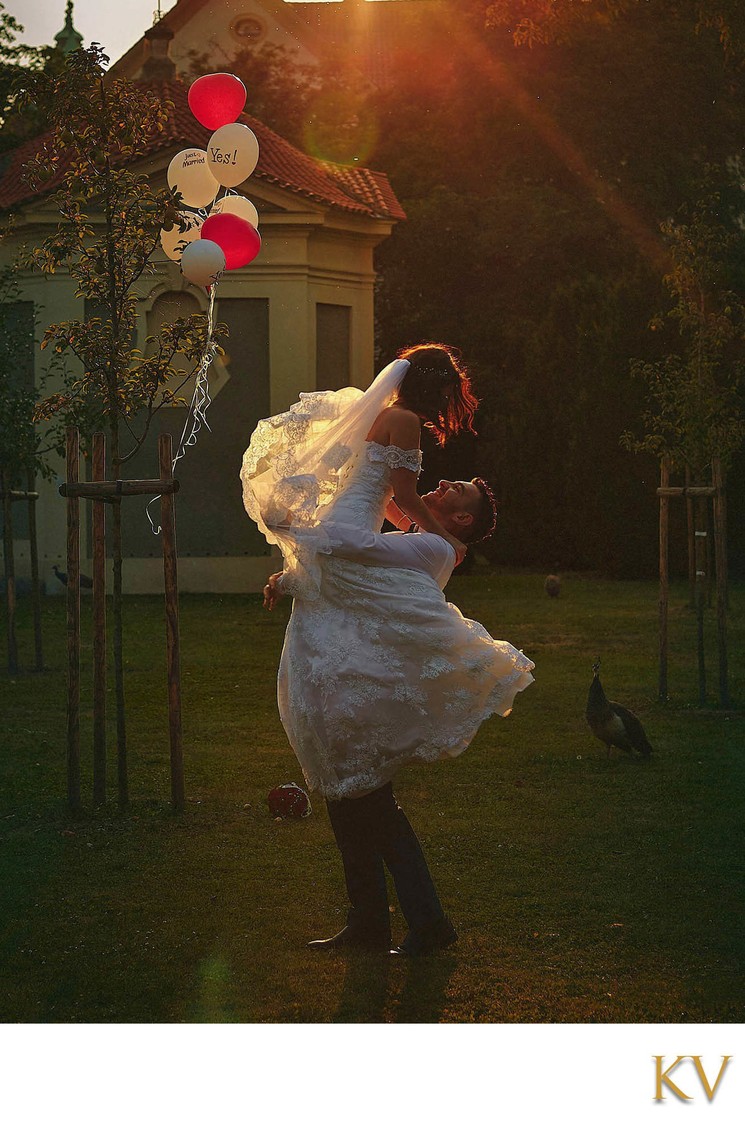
(349, 939)
(436, 936)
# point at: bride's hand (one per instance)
(272, 593)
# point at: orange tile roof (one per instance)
(361, 191)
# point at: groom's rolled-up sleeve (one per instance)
(419, 551)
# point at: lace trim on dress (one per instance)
(394, 457)
(299, 462)
(401, 684)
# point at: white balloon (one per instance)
(190, 174)
(232, 153)
(175, 240)
(203, 262)
(240, 206)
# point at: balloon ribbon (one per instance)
(200, 401)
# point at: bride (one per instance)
(299, 464)
(377, 669)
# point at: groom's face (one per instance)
(454, 503)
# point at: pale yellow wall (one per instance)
(209, 31)
(56, 301)
(309, 255)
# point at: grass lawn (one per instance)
(584, 888)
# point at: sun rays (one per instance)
(342, 125)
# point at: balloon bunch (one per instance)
(211, 235)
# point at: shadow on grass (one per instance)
(368, 993)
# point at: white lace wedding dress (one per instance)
(378, 670)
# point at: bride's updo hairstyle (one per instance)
(437, 387)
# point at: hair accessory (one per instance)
(488, 495)
(436, 372)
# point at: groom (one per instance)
(372, 831)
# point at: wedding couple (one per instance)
(378, 670)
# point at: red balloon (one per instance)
(216, 100)
(237, 238)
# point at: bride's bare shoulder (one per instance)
(396, 426)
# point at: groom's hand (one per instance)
(272, 593)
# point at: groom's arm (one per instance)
(419, 551)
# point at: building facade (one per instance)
(300, 317)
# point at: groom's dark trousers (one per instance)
(372, 831)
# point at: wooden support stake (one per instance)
(700, 536)
(690, 528)
(664, 585)
(720, 488)
(694, 491)
(720, 567)
(18, 495)
(32, 497)
(10, 573)
(73, 624)
(114, 490)
(99, 626)
(709, 511)
(168, 525)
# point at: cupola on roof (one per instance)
(69, 39)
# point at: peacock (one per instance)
(612, 723)
(85, 580)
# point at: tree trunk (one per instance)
(709, 525)
(664, 583)
(73, 626)
(99, 626)
(720, 559)
(35, 585)
(690, 528)
(117, 612)
(170, 576)
(701, 513)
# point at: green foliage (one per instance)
(280, 87)
(534, 183)
(112, 216)
(695, 408)
(324, 109)
(17, 61)
(22, 449)
(540, 22)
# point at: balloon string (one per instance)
(200, 403)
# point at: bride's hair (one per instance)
(437, 385)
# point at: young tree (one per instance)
(694, 415)
(112, 216)
(694, 410)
